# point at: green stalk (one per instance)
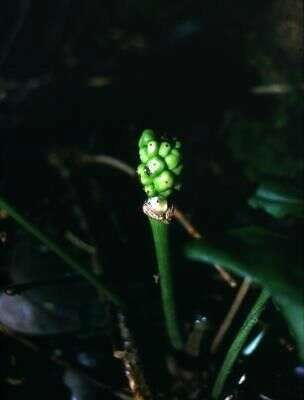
(238, 343)
(35, 232)
(161, 242)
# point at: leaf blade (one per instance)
(272, 261)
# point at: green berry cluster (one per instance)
(161, 165)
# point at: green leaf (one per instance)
(278, 199)
(272, 261)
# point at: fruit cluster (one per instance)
(161, 165)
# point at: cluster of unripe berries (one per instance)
(161, 165)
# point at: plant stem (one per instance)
(243, 290)
(29, 227)
(238, 343)
(161, 242)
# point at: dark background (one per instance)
(89, 77)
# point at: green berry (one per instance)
(155, 166)
(164, 181)
(164, 149)
(173, 160)
(166, 193)
(143, 155)
(150, 190)
(152, 148)
(140, 169)
(146, 179)
(178, 169)
(146, 136)
(175, 152)
(161, 165)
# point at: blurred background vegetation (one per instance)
(82, 77)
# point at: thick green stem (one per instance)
(160, 236)
(238, 343)
(29, 227)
